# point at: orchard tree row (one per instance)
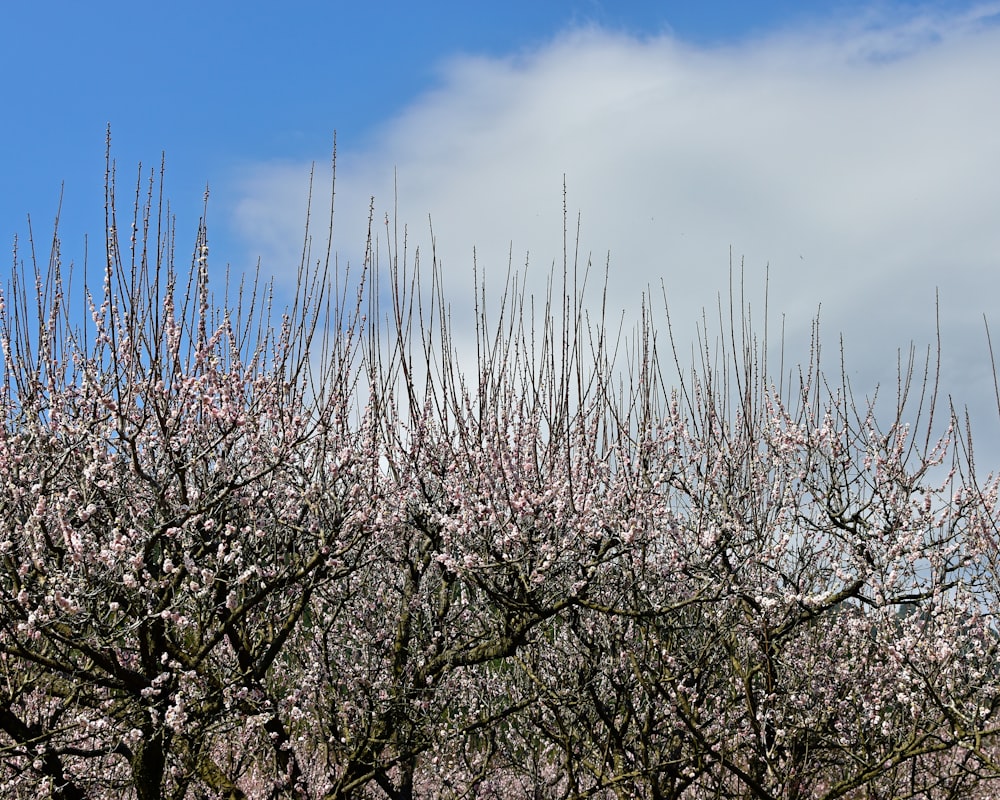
(326, 557)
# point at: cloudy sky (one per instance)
(848, 150)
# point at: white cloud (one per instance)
(861, 162)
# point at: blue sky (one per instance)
(218, 84)
(849, 148)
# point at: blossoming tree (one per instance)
(324, 558)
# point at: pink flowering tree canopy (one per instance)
(317, 555)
